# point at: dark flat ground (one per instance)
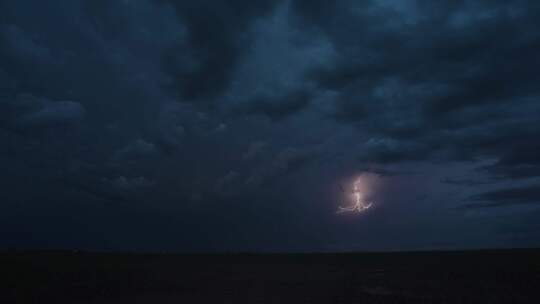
(497, 276)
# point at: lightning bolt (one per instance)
(358, 204)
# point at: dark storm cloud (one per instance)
(387, 150)
(529, 194)
(122, 183)
(521, 160)
(201, 66)
(384, 172)
(26, 112)
(81, 82)
(101, 192)
(447, 79)
(276, 107)
(137, 150)
(24, 49)
(254, 150)
(208, 111)
(284, 162)
(465, 182)
(249, 60)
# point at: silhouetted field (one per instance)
(504, 276)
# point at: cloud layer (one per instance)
(242, 117)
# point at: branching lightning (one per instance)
(359, 205)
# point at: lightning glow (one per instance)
(359, 205)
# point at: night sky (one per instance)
(205, 126)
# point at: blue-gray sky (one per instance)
(161, 125)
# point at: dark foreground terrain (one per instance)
(506, 276)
